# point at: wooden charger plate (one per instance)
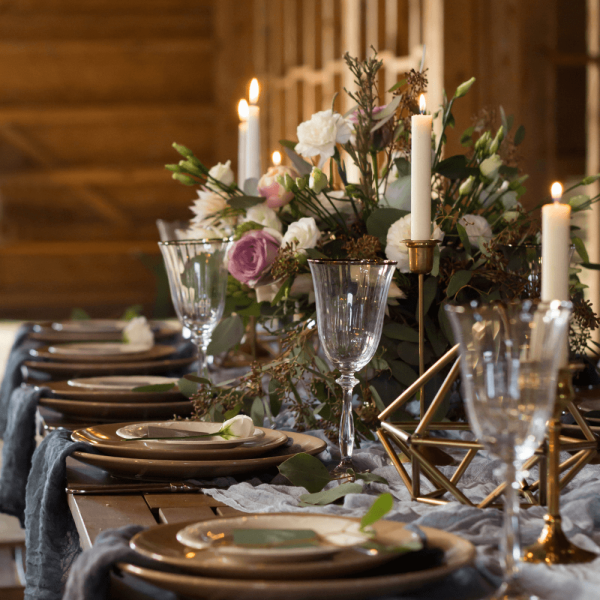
(168, 470)
(83, 409)
(386, 579)
(62, 389)
(44, 332)
(106, 440)
(157, 352)
(79, 369)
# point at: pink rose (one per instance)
(269, 188)
(252, 255)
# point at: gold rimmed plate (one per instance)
(67, 391)
(160, 543)
(84, 409)
(166, 470)
(98, 352)
(389, 578)
(106, 440)
(81, 369)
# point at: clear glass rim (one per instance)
(351, 261)
(198, 241)
(533, 303)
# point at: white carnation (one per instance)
(320, 134)
(207, 205)
(221, 172)
(263, 215)
(476, 227)
(304, 233)
(138, 333)
(395, 248)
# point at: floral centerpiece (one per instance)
(311, 210)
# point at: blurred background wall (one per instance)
(92, 94)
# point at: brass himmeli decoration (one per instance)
(413, 440)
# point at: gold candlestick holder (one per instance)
(552, 546)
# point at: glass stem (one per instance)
(202, 340)
(511, 547)
(347, 382)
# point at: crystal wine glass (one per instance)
(197, 271)
(509, 364)
(351, 296)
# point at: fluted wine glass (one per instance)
(510, 356)
(197, 271)
(351, 296)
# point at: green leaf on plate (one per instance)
(196, 379)
(275, 538)
(305, 471)
(329, 496)
(378, 510)
(159, 387)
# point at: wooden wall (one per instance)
(92, 94)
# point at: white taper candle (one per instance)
(253, 134)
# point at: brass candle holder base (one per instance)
(553, 547)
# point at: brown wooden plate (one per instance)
(157, 352)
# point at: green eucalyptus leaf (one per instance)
(371, 478)
(445, 324)
(381, 220)
(402, 166)
(464, 238)
(186, 387)
(226, 335)
(245, 201)
(378, 510)
(580, 202)
(580, 247)
(257, 412)
(329, 496)
(429, 291)
(377, 398)
(304, 470)
(303, 167)
(398, 85)
(458, 281)
(288, 144)
(456, 167)
(519, 135)
(589, 180)
(402, 372)
(398, 331)
(389, 110)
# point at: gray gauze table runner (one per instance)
(580, 508)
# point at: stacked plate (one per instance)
(104, 358)
(113, 398)
(96, 330)
(132, 450)
(294, 556)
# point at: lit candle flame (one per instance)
(276, 158)
(422, 104)
(556, 191)
(254, 91)
(243, 110)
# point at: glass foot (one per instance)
(341, 470)
(511, 591)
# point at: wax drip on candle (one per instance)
(422, 104)
(254, 91)
(556, 191)
(276, 158)
(243, 110)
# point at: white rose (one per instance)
(395, 291)
(263, 215)
(476, 227)
(320, 134)
(221, 172)
(490, 166)
(304, 233)
(138, 333)
(240, 426)
(395, 249)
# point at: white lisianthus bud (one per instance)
(466, 186)
(304, 233)
(138, 333)
(490, 166)
(221, 172)
(510, 215)
(241, 426)
(463, 88)
(317, 181)
(497, 140)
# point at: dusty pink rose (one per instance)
(269, 188)
(252, 255)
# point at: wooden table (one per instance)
(97, 512)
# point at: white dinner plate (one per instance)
(121, 383)
(138, 430)
(333, 534)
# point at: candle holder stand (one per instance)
(412, 439)
(552, 546)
